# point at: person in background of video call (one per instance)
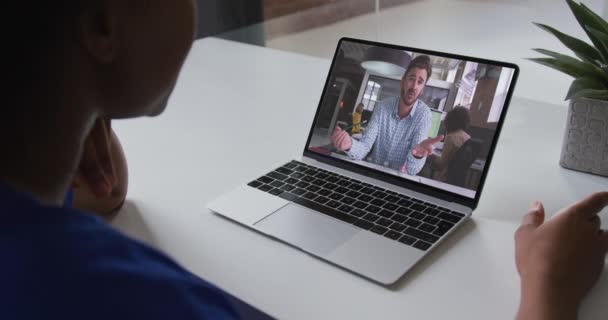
(357, 118)
(398, 128)
(456, 122)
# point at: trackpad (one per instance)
(307, 229)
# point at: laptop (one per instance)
(374, 208)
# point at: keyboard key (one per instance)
(275, 192)
(413, 223)
(371, 217)
(277, 184)
(302, 184)
(321, 200)
(310, 195)
(449, 217)
(418, 234)
(336, 196)
(343, 183)
(287, 187)
(431, 211)
(404, 203)
(300, 168)
(355, 186)
(384, 222)
(277, 176)
(365, 198)
(284, 171)
(418, 215)
(445, 225)
(391, 198)
(265, 188)
(391, 192)
(333, 204)
(291, 180)
(367, 190)
(299, 192)
(308, 179)
(397, 226)
(431, 220)
(427, 228)
(265, 179)
(348, 200)
(458, 214)
(332, 179)
(392, 235)
(358, 213)
(310, 172)
(360, 204)
(325, 210)
(422, 245)
(313, 188)
(341, 190)
(417, 207)
(353, 194)
(291, 165)
(378, 229)
(255, 184)
(386, 213)
(399, 218)
(322, 176)
(330, 186)
(379, 194)
(390, 206)
(363, 224)
(378, 202)
(297, 175)
(345, 208)
(373, 209)
(404, 211)
(319, 182)
(407, 240)
(324, 192)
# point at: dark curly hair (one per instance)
(458, 118)
(421, 62)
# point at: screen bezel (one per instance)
(401, 182)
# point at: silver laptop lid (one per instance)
(422, 120)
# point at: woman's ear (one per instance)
(99, 30)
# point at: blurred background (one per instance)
(493, 29)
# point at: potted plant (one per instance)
(585, 146)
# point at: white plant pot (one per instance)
(585, 145)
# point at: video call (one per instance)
(425, 118)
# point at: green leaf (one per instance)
(582, 84)
(591, 94)
(582, 49)
(599, 21)
(587, 20)
(571, 66)
(601, 37)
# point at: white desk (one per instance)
(232, 118)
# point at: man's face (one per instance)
(412, 85)
(156, 38)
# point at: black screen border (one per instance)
(402, 182)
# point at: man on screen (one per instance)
(398, 128)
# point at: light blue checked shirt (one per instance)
(393, 138)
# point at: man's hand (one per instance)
(426, 147)
(560, 260)
(341, 139)
(97, 165)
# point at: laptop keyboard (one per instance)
(395, 216)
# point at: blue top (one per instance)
(59, 263)
(393, 138)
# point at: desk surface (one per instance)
(233, 105)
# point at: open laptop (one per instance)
(364, 211)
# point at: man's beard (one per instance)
(404, 95)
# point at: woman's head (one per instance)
(458, 118)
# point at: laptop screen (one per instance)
(428, 118)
